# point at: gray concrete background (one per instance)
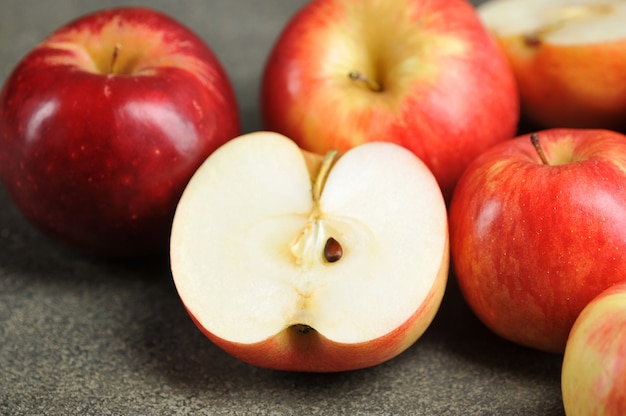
(80, 336)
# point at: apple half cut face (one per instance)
(293, 261)
(568, 57)
(557, 22)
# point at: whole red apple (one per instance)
(532, 240)
(103, 124)
(593, 379)
(422, 74)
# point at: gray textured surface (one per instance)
(82, 336)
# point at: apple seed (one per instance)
(332, 250)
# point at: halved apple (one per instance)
(568, 56)
(291, 261)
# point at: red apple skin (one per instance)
(291, 350)
(593, 379)
(97, 156)
(458, 98)
(533, 244)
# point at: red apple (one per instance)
(103, 124)
(532, 240)
(293, 262)
(422, 74)
(569, 58)
(593, 380)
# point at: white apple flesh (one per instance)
(557, 22)
(290, 262)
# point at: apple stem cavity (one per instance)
(373, 85)
(534, 139)
(302, 329)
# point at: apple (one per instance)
(593, 378)
(293, 261)
(423, 74)
(569, 59)
(103, 124)
(537, 231)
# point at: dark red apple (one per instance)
(103, 124)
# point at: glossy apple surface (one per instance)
(593, 379)
(533, 242)
(103, 124)
(422, 74)
(294, 263)
(569, 59)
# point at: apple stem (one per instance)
(114, 57)
(534, 139)
(320, 179)
(371, 84)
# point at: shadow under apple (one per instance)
(514, 368)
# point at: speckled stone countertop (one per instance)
(81, 336)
